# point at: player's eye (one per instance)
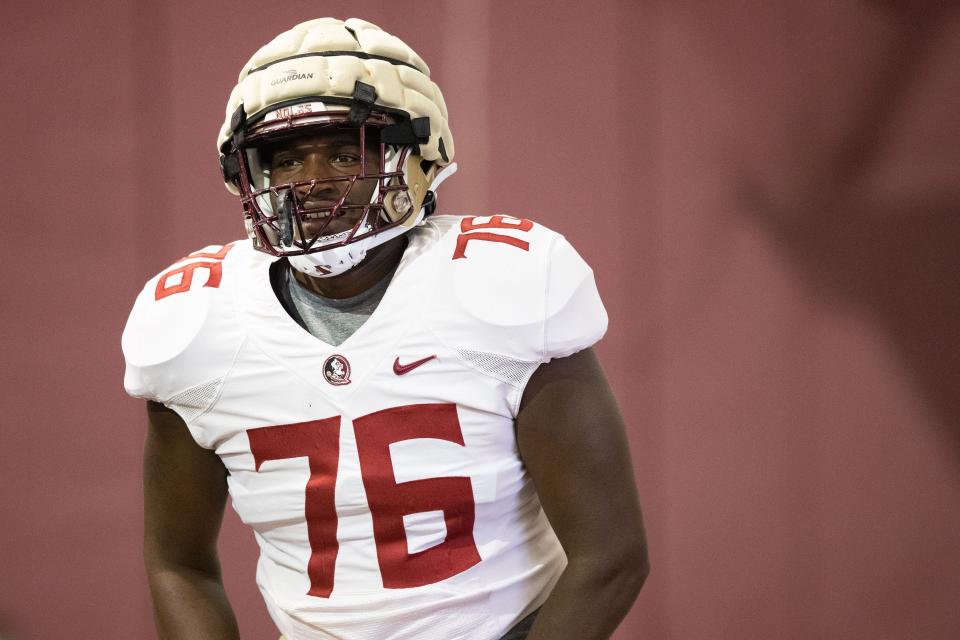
(287, 163)
(345, 159)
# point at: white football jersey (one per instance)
(381, 477)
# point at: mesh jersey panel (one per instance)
(195, 400)
(514, 372)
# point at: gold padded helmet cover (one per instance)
(325, 58)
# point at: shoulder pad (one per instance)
(511, 287)
(575, 316)
(183, 330)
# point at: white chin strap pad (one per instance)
(333, 262)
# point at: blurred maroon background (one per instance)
(768, 192)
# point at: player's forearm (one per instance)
(591, 598)
(189, 603)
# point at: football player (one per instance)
(403, 406)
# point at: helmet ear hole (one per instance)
(412, 198)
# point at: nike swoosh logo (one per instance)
(401, 369)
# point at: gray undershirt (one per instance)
(333, 320)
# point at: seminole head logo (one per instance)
(337, 370)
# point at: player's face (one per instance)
(332, 156)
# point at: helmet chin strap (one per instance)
(442, 175)
(339, 260)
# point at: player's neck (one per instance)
(379, 262)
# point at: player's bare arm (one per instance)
(184, 496)
(572, 440)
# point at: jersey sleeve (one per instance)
(181, 336)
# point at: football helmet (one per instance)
(345, 83)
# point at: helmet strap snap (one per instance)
(364, 97)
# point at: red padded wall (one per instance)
(768, 194)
